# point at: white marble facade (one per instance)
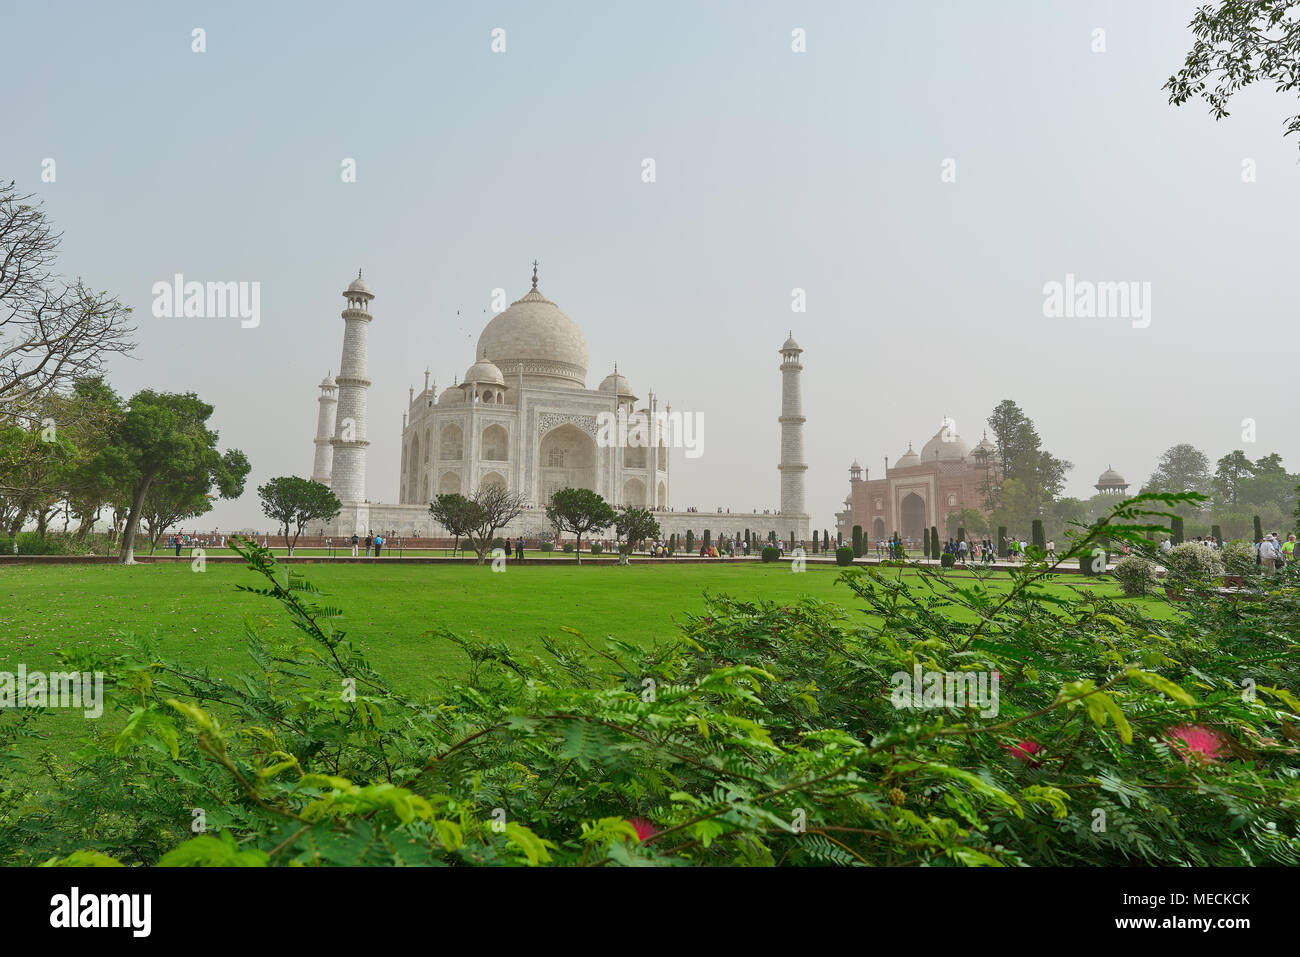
(522, 417)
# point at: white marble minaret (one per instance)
(325, 431)
(348, 470)
(792, 466)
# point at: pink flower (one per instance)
(1194, 742)
(1025, 750)
(644, 829)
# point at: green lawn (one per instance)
(389, 607)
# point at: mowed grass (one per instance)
(389, 609)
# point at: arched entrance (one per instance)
(878, 530)
(913, 516)
(566, 459)
(634, 493)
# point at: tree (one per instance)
(186, 497)
(292, 502)
(1229, 474)
(635, 525)
(1026, 478)
(857, 541)
(1176, 530)
(1182, 468)
(1259, 530)
(52, 332)
(935, 548)
(455, 513)
(967, 519)
(1037, 536)
(492, 507)
(164, 436)
(1238, 44)
(579, 510)
(690, 540)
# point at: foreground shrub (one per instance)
(547, 546)
(1192, 564)
(844, 555)
(597, 548)
(947, 560)
(771, 553)
(1136, 575)
(780, 733)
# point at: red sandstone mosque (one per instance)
(919, 489)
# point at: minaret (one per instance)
(792, 420)
(349, 468)
(328, 400)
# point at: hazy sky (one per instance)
(775, 170)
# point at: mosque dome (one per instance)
(533, 335)
(1110, 477)
(484, 371)
(985, 446)
(946, 446)
(908, 459)
(617, 384)
(450, 395)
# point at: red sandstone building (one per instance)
(919, 490)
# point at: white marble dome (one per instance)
(450, 395)
(533, 335)
(954, 449)
(358, 285)
(908, 459)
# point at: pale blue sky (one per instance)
(775, 170)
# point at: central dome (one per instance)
(945, 446)
(532, 335)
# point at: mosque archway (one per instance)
(566, 459)
(449, 483)
(634, 493)
(662, 499)
(424, 490)
(492, 480)
(912, 511)
(878, 530)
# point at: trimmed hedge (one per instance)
(771, 553)
(844, 555)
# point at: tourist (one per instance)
(1267, 557)
(369, 543)
(519, 547)
(1051, 549)
(1288, 548)
(355, 542)
(379, 543)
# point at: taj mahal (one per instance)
(521, 417)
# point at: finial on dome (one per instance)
(358, 272)
(534, 275)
